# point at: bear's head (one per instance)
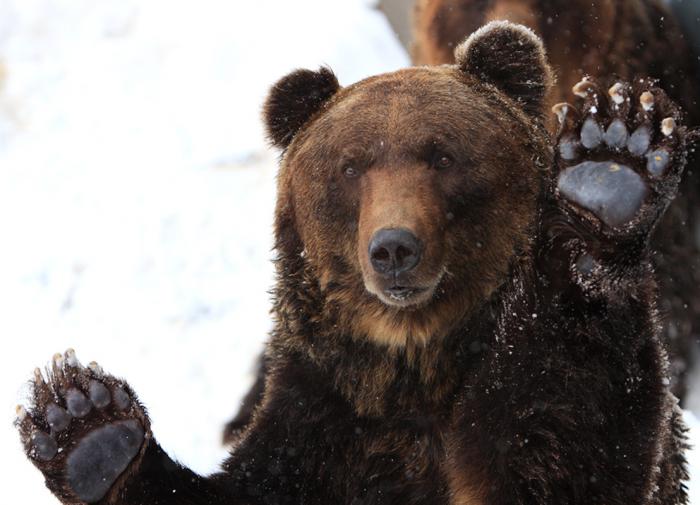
(408, 196)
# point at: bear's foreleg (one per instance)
(579, 408)
(619, 160)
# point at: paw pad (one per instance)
(99, 394)
(57, 417)
(78, 404)
(639, 141)
(616, 136)
(611, 191)
(657, 162)
(591, 134)
(101, 457)
(43, 446)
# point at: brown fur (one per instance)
(547, 387)
(335, 267)
(624, 38)
(466, 484)
(609, 39)
(304, 194)
(388, 199)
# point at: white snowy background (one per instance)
(136, 196)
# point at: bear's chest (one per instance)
(427, 455)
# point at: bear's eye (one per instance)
(442, 161)
(350, 172)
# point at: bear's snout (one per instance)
(394, 251)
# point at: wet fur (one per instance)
(606, 39)
(320, 209)
(538, 389)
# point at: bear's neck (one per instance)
(374, 378)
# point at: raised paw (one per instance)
(619, 159)
(83, 429)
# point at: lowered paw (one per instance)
(83, 429)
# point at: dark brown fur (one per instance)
(601, 38)
(605, 39)
(318, 207)
(329, 206)
(525, 379)
(535, 415)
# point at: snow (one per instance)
(136, 195)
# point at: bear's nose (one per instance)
(393, 251)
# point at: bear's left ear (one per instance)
(512, 58)
(293, 100)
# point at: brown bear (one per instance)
(603, 38)
(464, 309)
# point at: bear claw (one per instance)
(71, 359)
(561, 110)
(21, 413)
(96, 368)
(616, 92)
(58, 360)
(646, 99)
(668, 125)
(585, 88)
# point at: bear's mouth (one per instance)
(403, 293)
(405, 297)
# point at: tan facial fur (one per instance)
(402, 197)
(471, 218)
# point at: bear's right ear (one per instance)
(293, 100)
(510, 57)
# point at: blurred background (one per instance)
(137, 190)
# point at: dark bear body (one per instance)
(456, 323)
(624, 39)
(601, 38)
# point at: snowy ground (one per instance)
(136, 195)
